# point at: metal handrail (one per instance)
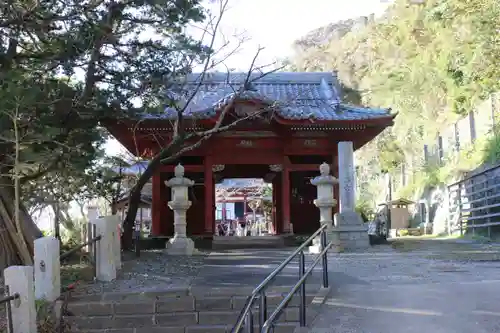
(79, 247)
(92, 241)
(301, 283)
(260, 289)
(461, 181)
(9, 298)
(8, 308)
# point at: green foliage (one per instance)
(429, 176)
(491, 150)
(403, 232)
(391, 155)
(365, 209)
(67, 67)
(430, 63)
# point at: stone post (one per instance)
(325, 202)
(347, 193)
(180, 244)
(349, 225)
(106, 257)
(19, 279)
(115, 222)
(47, 268)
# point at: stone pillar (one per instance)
(347, 189)
(349, 225)
(19, 279)
(47, 268)
(180, 244)
(106, 258)
(115, 222)
(325, 202)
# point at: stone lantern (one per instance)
(180, 244)
(325, 202)
(255, 204)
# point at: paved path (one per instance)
(248, 268)
(437, 288)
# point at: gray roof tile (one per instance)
(296, 96)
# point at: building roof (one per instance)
(241, 182)
(133, 169)
(294, 96)
(398, 202)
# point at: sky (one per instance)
(276, 24)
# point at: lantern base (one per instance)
(349, 233)
(182, 246)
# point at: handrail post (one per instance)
(242, 320)
(94, 250)
(460, 219)
(302, 272)
(262, 309)
(249, 322)
(8, 312)
(90, 236)
(324, 259)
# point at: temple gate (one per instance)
(284, 145)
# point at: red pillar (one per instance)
(214, 207)
(209, 195)
(285, 196)
(278, 199)
(244, 206)
(156, 205)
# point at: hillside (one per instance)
(431, 63)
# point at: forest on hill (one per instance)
(431, 63)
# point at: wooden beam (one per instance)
(303, 167)
(248, 156)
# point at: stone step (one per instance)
(197, 292)
(173, 304)
(279, 328)
(194, 310)
(176, 319)
(234, 242)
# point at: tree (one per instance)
(183, 141)
(430, 63)
(179, 96)
(73, 63)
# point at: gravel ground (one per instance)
(154, 270)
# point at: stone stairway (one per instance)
(213, 310)
(256, 242)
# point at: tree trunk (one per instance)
(134, 198)
(134, 201)
(15, 250)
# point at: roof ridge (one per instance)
(274, 78)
